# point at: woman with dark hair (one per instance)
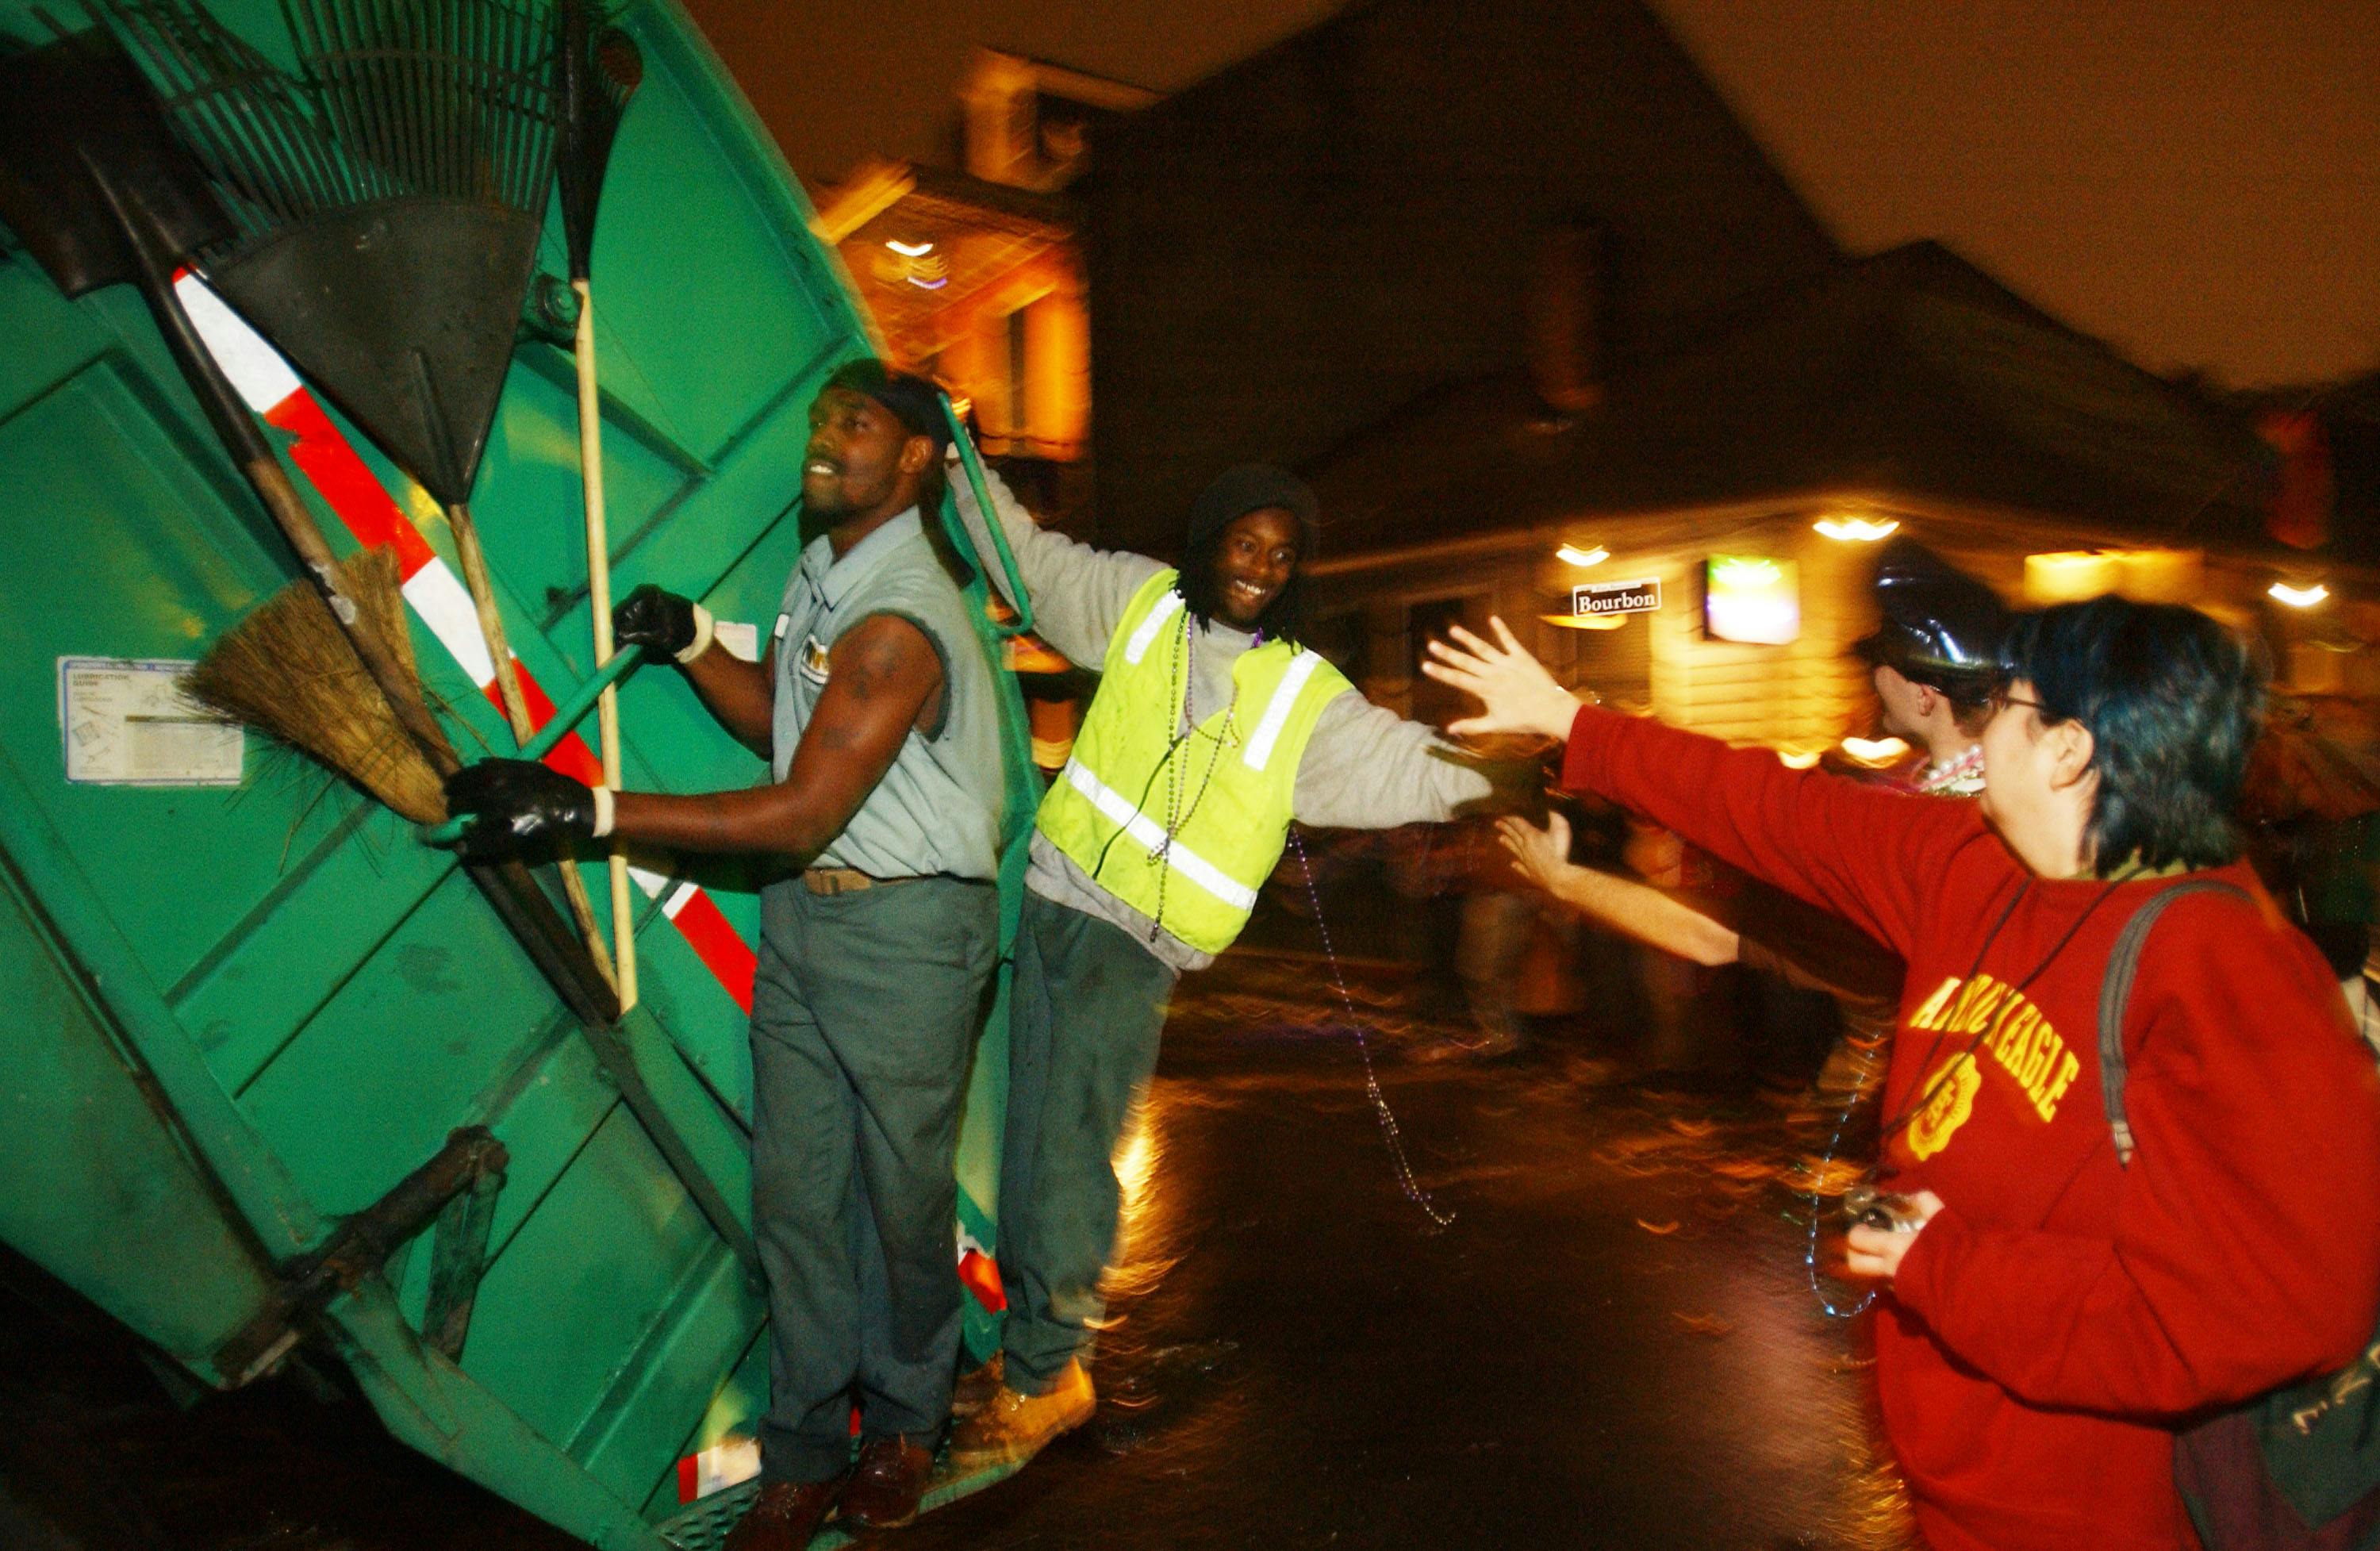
(2054, 1311)
(2168, 703)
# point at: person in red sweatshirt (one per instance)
(2054, 1314)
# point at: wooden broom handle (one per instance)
(599, 603)
(508, 690)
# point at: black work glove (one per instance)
(662, 622)
(516, 806)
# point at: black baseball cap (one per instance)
(913, 400)
(1940, 625)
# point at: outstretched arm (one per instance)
(1874, 857)
(1078, 592)
(1634, 910)
(1366, 768)
(884, 679)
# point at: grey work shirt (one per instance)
(936, 809)
(1365, 768)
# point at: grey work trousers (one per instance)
(864, 1012)
(1085, 1009)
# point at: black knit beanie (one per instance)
(1250, 488)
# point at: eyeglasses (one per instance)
(2002, 699)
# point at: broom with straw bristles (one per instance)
(288, 670)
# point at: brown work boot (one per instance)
(977, 1385)
(885, 1487)
(1013, 1428)
(784, 1516)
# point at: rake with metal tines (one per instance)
(389, 205)
(100, 193)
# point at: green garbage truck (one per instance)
(280, 1077)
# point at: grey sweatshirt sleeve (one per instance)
(1078, 592)
(1369, 769)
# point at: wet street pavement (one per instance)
(1614, 1342)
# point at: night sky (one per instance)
(2196, 180)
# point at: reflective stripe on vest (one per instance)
(1150, 834)
(1276, 716)
(1146, 636)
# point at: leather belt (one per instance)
(843, 880)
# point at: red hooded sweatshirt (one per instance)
(2061, 1312)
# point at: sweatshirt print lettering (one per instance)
(2026, 1049)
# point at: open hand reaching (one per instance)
(1540, 856)
(1515, 693)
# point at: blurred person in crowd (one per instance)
(2313, 808)
(1495, 924)
(1934, 657)
(1934, 661)
(1212, 729)
(1468, 919)
(2053, 1312)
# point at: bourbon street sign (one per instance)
(1617, 598)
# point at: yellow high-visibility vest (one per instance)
(1109, 808)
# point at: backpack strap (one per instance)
(2116, 989)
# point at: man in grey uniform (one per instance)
(876, 707)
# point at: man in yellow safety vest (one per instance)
(1213, 728)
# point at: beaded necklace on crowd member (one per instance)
(1186, 668)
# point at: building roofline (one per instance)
(1713, 523)
(876, 185)
(1079, 86)
(1187, 99)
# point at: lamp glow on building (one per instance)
(1856, 530)
(2071, 576)
(1797, 758)
(2297, 596)
(1874, 751)
(1571, 554)
(909, 249)
(1587, 622)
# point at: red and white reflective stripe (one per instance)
(271, 387)
(979, 1273)
(729, 1462)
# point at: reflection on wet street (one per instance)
(1613, 1344)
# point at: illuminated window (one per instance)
(1019, 374)
(1751, 600)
